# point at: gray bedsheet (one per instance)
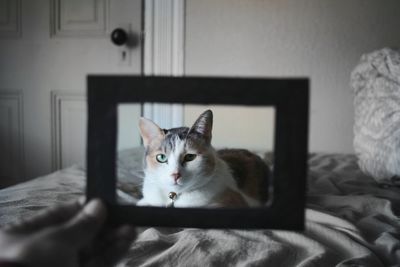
(350, 221)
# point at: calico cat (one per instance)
(182, 169)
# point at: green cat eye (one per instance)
(189, 157)
(162, 158)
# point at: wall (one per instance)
(320, 39)
(233, 129)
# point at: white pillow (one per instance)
(376, 85)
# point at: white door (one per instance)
(46, 50)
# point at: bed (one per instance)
(351, 220)
(352, 208)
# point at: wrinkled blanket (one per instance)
(351, 220)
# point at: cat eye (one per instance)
(189, 157)
(162, 158)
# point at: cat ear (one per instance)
(203, 125)
(149, 131)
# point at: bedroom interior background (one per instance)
(351, 218)
(44, 64)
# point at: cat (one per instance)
(182, 169)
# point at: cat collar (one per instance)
(173, 196)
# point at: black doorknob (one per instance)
(119, 36)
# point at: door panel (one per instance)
(11, 142)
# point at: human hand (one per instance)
(68, 235)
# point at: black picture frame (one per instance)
(289, 96)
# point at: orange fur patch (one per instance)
(250, 172)
(229, 198)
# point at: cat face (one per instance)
(179, 159)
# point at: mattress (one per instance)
(351, 220)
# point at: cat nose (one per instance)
(176, 176)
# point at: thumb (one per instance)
(83, 227)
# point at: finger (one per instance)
(48, 217)
(82, 200)
(81, 229)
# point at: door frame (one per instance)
(164, 53)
